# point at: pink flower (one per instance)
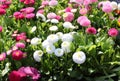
(58, 17)
(1, 28)
(85, 22)
(53, 2)
(2, 11)
(2, 56)
(30, 71)
(29, 2)
(91, 30)
(83, 11)
(20, 45)
(68, 16)
(21, 36)
(51, 15)
(17, 55)
(17, 76)
(107, 7)
(79, 1)
(45, 3)
(27, 10)
(40, 11)
(68, 9)
(86, 2)
(113, 32)
(30, 15)
(81, 18)
(18, 15)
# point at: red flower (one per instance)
(17, 54)
(17, 76)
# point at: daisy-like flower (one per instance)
(59, 52)
(2, 56)
(66, 46)
(50, 49)
(53, 28)
(35, 41)
(67, 37)
(114, 5)
(52, 38)
(119, 6)
(45, 43)
(55, 21)
(67, 25)
(59, 34)
(53, 3)
(79, 57)
(113, 32)
(33, 29)
(39, 15)
(37, 55)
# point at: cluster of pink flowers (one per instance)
(24, 73)
(4, 4)
(28, 2)
(49, 3)
(25, 13)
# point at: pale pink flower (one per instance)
(68, 16)
(45, 3)
(79, 1)
(53, 3)
(107, 7)
(85, 22)
(51, 15)
(113, 32)
(91, 30)
(86, 2)
(83, 11)
(40, 11)
(2, 56)
(81, 18)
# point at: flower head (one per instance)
(17, 55)
(37, 55)
(91, 30)
(112, 32)
(59, 52)
(2, 56)
(79, 57)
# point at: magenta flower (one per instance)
(68, 16)
(17, 76)
(30, 71)
(113, 32)
(68, 9)
(2, 11)
(18, 15)
(91, 30)
(17, 55)
(20, 45)
(40, 11)
(58, 17)
(1, 28)
(21, 36)
(2, 56)
(51, 15)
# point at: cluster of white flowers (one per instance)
(66, 39)
(68, 25)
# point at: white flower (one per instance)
(50, 49)
(55, 21)
(119, 6)
(52, 38)
(35, 41)
(66, 46)
(45, 43)
(59, 52)
(72, 33)
(67, 25)
(33, 29)
(114, 5)
(67, 37)
(74, 10)
(41, 16)
(79, 57)
(53, 28)
(59, 34)
(37, 55)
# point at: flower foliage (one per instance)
(59, 40)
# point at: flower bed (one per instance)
(59, 40)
